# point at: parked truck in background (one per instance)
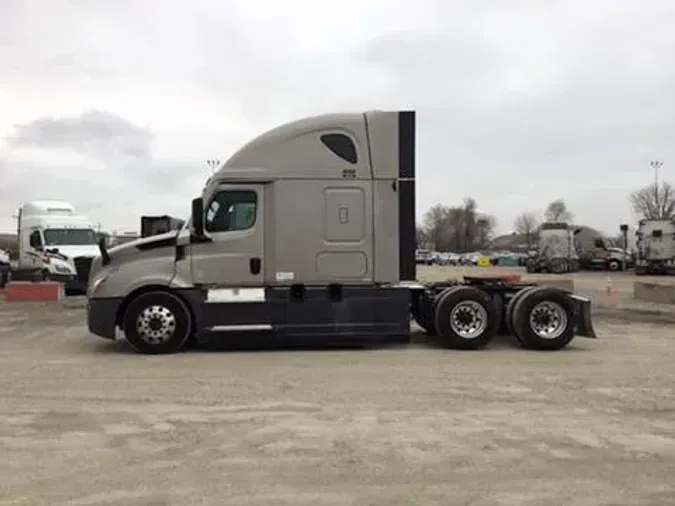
(5, 268)
(655, 247)
(307, 234)
(598, 253)
(556, 250)
(55, 243)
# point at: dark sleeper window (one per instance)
(231, 210)
(341, 145)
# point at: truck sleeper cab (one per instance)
(308, 233)
(655, 247)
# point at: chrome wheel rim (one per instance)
(156, 324)
(468, 319)
(548, 320)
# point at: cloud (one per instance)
(115, 106)
(92, 133)
(101, 162)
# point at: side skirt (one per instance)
(299, 315)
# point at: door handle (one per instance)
(254, 265)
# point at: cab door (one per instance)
(234, 220)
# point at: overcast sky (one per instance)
(116, 105)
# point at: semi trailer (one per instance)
(307, 234)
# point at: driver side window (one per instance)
(231, 210)
(35, 240)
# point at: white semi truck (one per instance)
(656, 247)
(556, 251)
(55, 243)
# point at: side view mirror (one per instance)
(198, 216)
(105, 257)
(52, 250)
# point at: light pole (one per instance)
(624, 233)
(213, 165)
(656, 165)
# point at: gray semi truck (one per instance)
(307, 234)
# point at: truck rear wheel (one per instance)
(157, 323)
(559, 265)
(614, 265)
(544, 318)
(508, 313)
(465, 318)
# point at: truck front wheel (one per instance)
(157, 323)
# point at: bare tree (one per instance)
(557, 212)
(485, 227)
(435, 226)
(654, 202)
(527, 224)
(460, 228)
(469, 222)
(421, 237)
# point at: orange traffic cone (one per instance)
(610, 290)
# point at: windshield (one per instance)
(69, 236)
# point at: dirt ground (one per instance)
(86, 422)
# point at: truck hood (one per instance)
(145, 243)
(85, 250)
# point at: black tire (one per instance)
(614, 265)
(557, 266)
(456, 297)
(422, 310)
(173, 310)
(528, 303)
(508, 313)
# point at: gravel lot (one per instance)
(86, 422)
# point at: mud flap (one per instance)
(583, 314)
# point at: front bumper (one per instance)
(76, 284)
(61, 278)
(101, 315)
